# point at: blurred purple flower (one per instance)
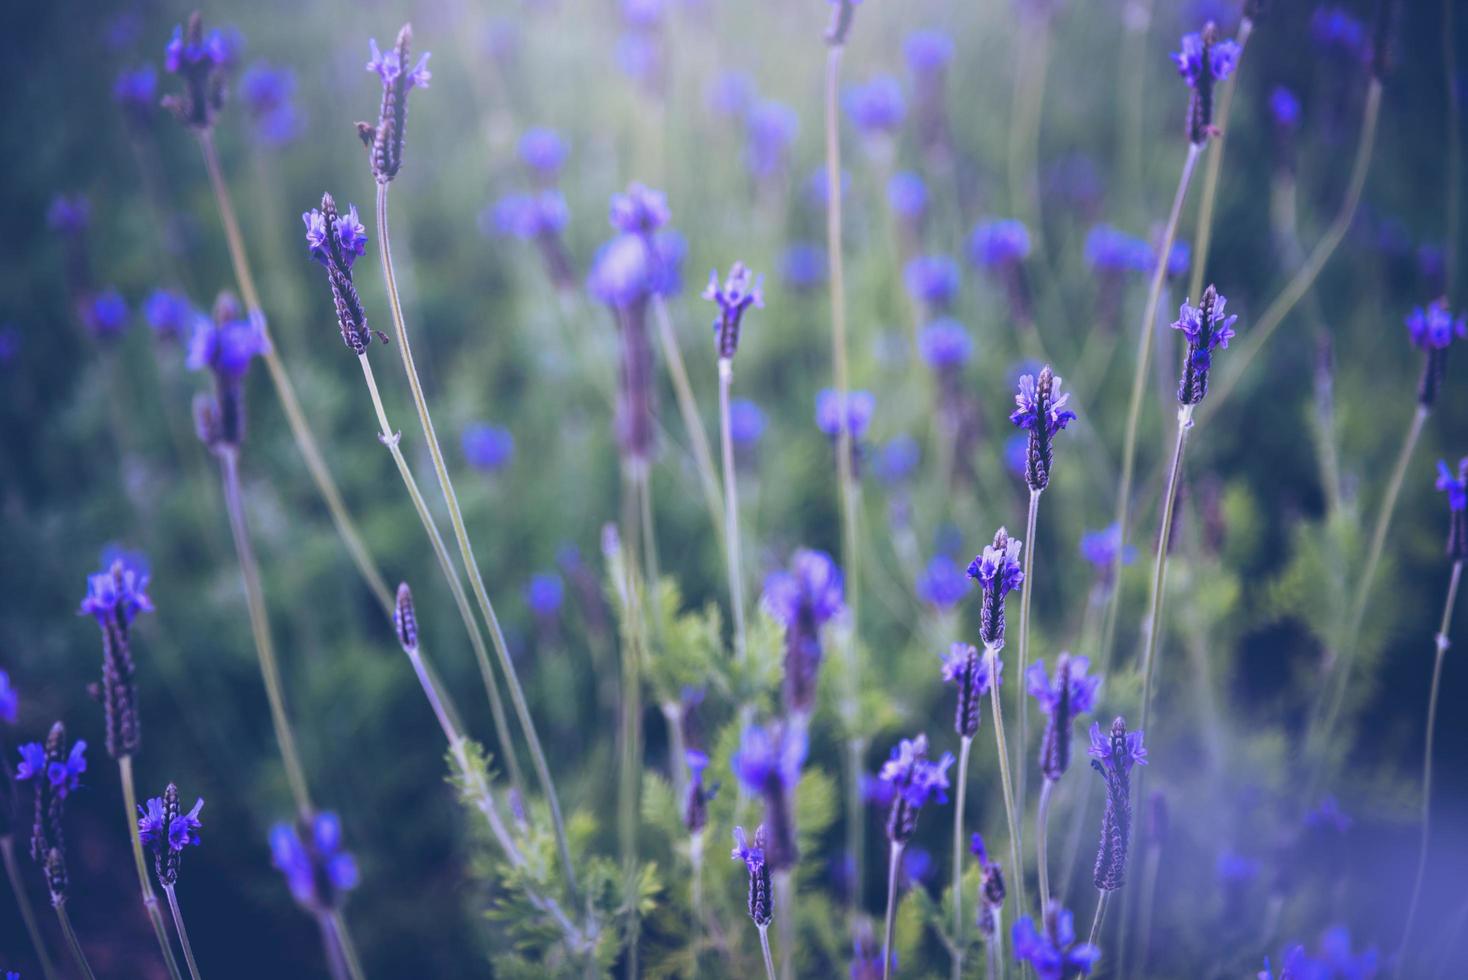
(771, 128)
(998, 243)
(543, 151)
(319, 871)
(488, 448)
(1284, 106)
(855, 413)
(746, 422)
(907, 195)
(898, 459)
(1053, 953)
(927, 51)
(932, 280)
(106, 314)
(942, 584)
(877, 107)
(545, 593)
(945, 344)
(803, 266)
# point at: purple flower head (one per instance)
(916, 781)
(771, 128)
(389, 66)
(106, 314)
(997, 571)
(1284, 106)
(769, 756)
(942, 583)
(803, 267)
(32, 761)
(1041, 411)
(9, 700)
(1060, 699)
(384, 141)
(855, 412)
(818, 188)
(1433, 327)
(528, 217)
(488, 448)
(1113, 754)
(1233, 869)
(1053, 952)
(136, 92)
(1333, 959)
(932, 280)
(268, 92)
(741, 290)
(1222, 57)
(877, 107)
(1100, 549)
(803, 600)
(165, 832)
(761, 900)
(118, 592)
(1455, 486)
(907, 195)
(731, 94)
(318, 870)
(927, 51)
(545, 593)
(543, 151)
(170, 314)
(1178, 259)
(746, 422)
(227, 343)
(751, 854)
(1336, 31)
(898, 459)
(69, 215)
(1110, 251)
(999, 243)
(626, 272)
(639, 211)
(65, 775)
(1117, 750)
(973, 675)
(351, 236)
(201, 60)
(1207, 329)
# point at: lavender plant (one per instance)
(9, 812)
(1061, 698)
(761, 900)
(167, 829)
(971, 674)
(1113, 754)
(914, 781)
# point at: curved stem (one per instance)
(785, 920)
(1100, 914)
(764, 945)
(731, 511)
(1042, 820)
(1139, 388)
(1159, 569)
(79, 957)
(390, 438)
(27, 913)
(183, 934)
(1016, 869)
(963, 747)
(284, 390)
(1437, 672)
(145, 884)
(466, 549)
(285, 738)
(703, 458)
(1208, 194)
(892, 865)
(1304, 278)
(1021, 707)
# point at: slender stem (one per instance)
(336, 961)
(649, 538)
(785, 920)
(75, 944)
(1304, 277)
(466, 549)
(1010, 816)
(1025, 115)
(260, 629)
(992, 963)
(892, 865)
(1208, 194)
(688, 408)
(695, 859)
(284, 390)
(348, 948)
(1136, 23)
(1441, 645)
(391, 438)
(1454, 129)
(1139, 388)
(1021, 702)
(183, 934)
(764, 945)
(731, 510)
(963, 747)
(1100, 914)
(1159, 568)
(1042, 820)
(1339, 682)
(27, 913)
(1151, 864)
(150, 898)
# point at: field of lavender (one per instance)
(384, 485)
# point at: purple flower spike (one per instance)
(999, 244)
(907, 195)
(201, 61)
(803, 600)
(1456, 487)
(317, 869)
(1060, 699)
(760, 905)
(389, 66)
(117, 592)
(529, 217)
(768, 765)
(771, 128)
(991, 888)
(1207, 329)
(927, 52)
(741, 291)
(65, 775)
(351, 236)
(1110, 251)
(170, 314)
(227, 344)
(543, 151)
(1203, 62)
(855, 413)
(165, 829)
(1100, 548)
(106, 314)
(997, 571)
(942, 584)
(932, 280)
(639, 211)
(1113, 754)
(32, 761)
(1432, 330)
(136, 94)
(545, 594)
(488, 448)
(877, 107)
(384, 141)
(971, 674)
(1053, 952)
(915, 782)
(1042, 413)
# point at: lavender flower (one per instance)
(770, 129)
(1432, 329)
(267, 92)
(545, 594)
(927, 52)
(1112, 252)
(1456, 487)
(1099, 549)
(106, 314)
(201, 61)
(1333, 958)
(941, 585)
(915, 782)
(136, 93)
(768, 764)
(405, 619)
(898, 459)
(626, 272)
(1206, 329)
(761, 899)
(803, 267)
(932, 280)
(1336, 31)
(803, 600)
(225, 346)
(1113, 754)
(337, 241)
(741, 291)
(167, 830)
(877, 107)
(1284, 107)
(746, 423)
(543, 152)
(1042, 413)
(991, 888)
(907, 195)
(56, 773)
(999, 243)
(488, 448)
(731, 94)
(640, 210)
(964, 668)
(318, 870)
(1054, 953)
(998, 572)
(855, 413)
(1061, 699)
(115, 596)
(696, 799)
(69, 215)
(170, 314)
(1203, 62)
(385, 140)
(9, 700)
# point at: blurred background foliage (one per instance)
(98, 449)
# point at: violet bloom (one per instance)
(770, 129)
(991, 888)
(1336, 31)
(347, 229)
(317, 868)
(543, 152)
(1061, 698)
(942, 584)
(932, 280)
(1333, 958)
(9, 700)
(1113, 754)
(488, 448)
(731, 94)
(385, 140)
(62, 769)
(768, 764)
(877, 107)
(1042, 413)
(741, 290)
(1100, 548)
(746, 423)
(1053, 953)
(804, 600)
(106, 314)
(1432, 329)
(166, 829)
(964, 668)
(1456, 487)
(1112, 252)
(999, 244)
(1207, 329)
(640, 210)
(170, 314)
(998, 573)
(527, 216)
(854, 412)
(898, 459)
(695, 802)
(803, 267)
(545, 594)
(268, 94)
(69, 215)
(927, 52)
(916, 782)
(907, 196)
(818, 188)
(337, 241)
(1203, 62)
(761, 904)
(1284, 107)
(118, 592)
(115, 596)
(55, 772)
(224, 345)
(201, 61)
(136, 93)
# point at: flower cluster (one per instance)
(1053, 952)
(202, 61)
(991, 888)
(761, 899)
(384, 141)
(1203, 62)
(171, 315)
(1113, 754)
(1101, 549)
(854, 412)
(741, 291)
(317, 868)
(999, 244)
(267, 92)
(115, 595)
(914, 781)
(696, 799)
(768, 763)
(488, 448)
(1069, 693)
(136, 93)
(56, 772)
(225, 345)
(932, 280)
(1333, 958)
(998, 573)
(803, 600)
(166, 829)
(972, 674)
(1042, 413)
(941, 585)
(1432, 329)
(337, 241)
(1207, 329)
(876, 108)
(1456, 487)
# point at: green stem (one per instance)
(284, 390)
(1151, 864)
(785, 920)
(1021, 707)
(1010, 816)
(466, 549)
(1441, 645)
(150, 898)
(764, 945)
(1208, 195)
(1100, 914)
(688, 408)
(1136, 23)
(731, 511)
(1139, 388)
(391, 438)
(963, 748)
(27, 913)
(183, 934)
(75, 944)
(892, 866)
(260, 629)
(1159, 570)
(1042, 820)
